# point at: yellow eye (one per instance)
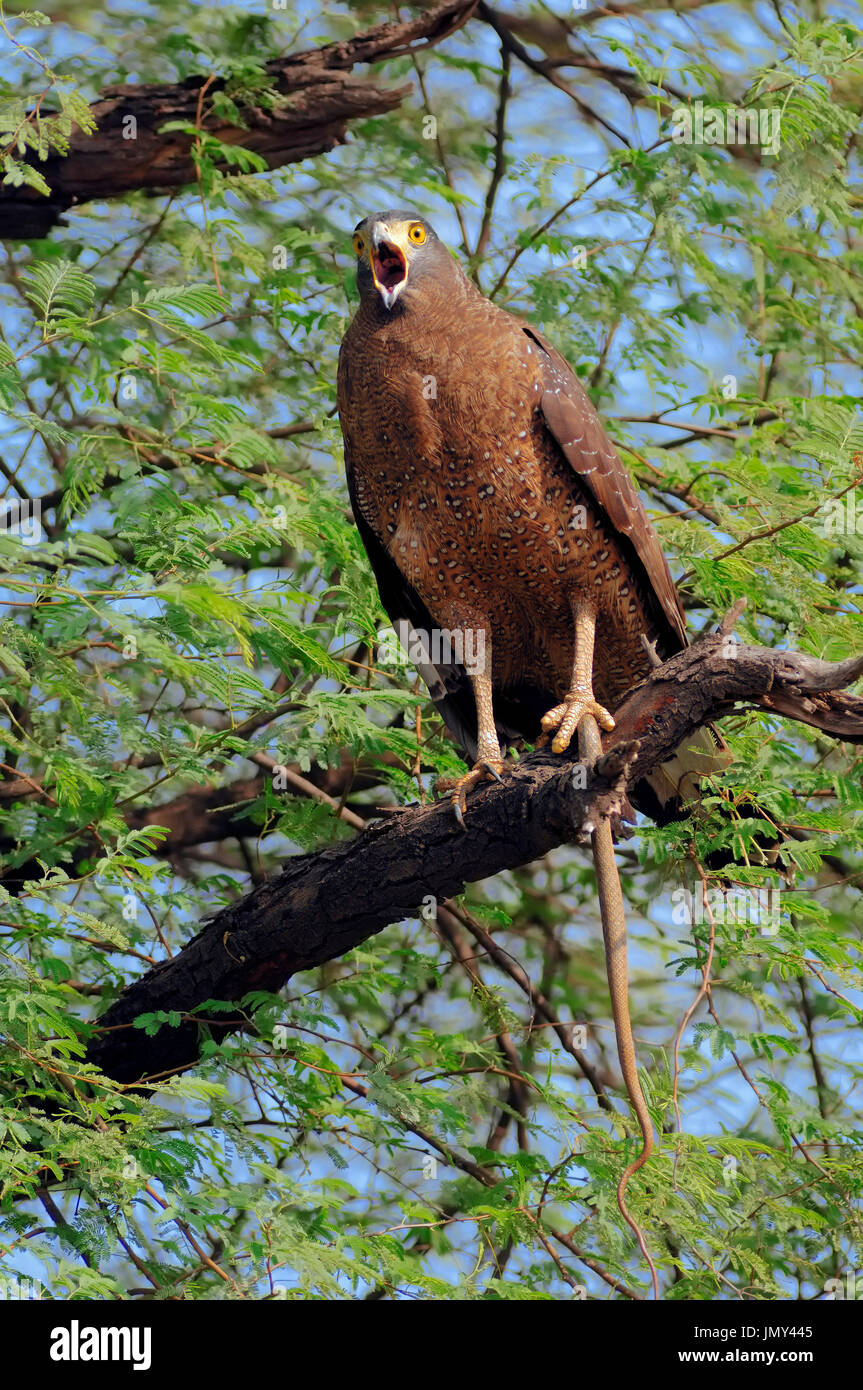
(417, 233)
(359, 244)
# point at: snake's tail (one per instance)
(646, 1151)
(614, 932)
(613, 915)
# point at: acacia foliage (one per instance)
(197, 608)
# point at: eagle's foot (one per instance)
(566, 718)
(484, 770)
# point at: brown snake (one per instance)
(614, 935)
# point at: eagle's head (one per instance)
(395, 249)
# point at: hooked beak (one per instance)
(389, 265)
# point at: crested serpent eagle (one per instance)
(493, 506)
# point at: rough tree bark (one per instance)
(324, 904)
(320, 97)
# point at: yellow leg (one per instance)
(489, 762)
(566, 717)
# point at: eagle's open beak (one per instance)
(389, 266)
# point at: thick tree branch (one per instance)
(319, 98)
(324, 904)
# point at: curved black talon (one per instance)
(460, 786)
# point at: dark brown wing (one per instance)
(578, 432)
(577, 429)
